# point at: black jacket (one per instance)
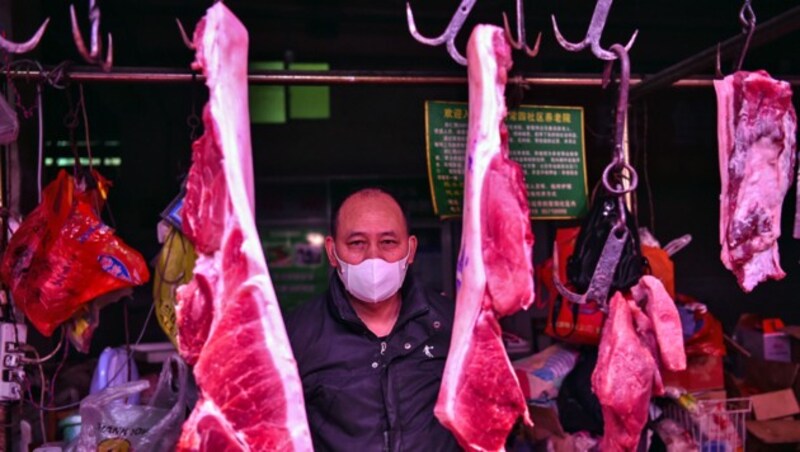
(365, 393)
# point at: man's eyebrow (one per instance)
(389, 233)
(353, 234)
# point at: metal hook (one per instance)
(748, 20)
(593, 34)
(604, 270)
(618, 161)
(520, 43)
(450, 32)
(93, 56)
(184, 36)
(27, 46)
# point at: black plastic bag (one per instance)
(596, 226)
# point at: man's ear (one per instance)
(329, 244)
(412, 248)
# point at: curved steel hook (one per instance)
(603, 276)
(449, 34)
(184, 36)
(520, 43)
(93, 56)
(618, 161)
(748, 20)
(27, 46)
(593, 34)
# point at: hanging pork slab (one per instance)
(756, 127)
(229, 323)
(480, 398)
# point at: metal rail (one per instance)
(161, 75)
(768, 31)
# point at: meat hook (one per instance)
(27, 46)
(603, 273)
(93, 56)
(618, 161)
(449, 34)
(593, 34)
(520, 43)
(748, 20)
(184, 36)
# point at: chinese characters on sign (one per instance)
(547, 142)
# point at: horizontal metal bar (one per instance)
(770, 30)
(161, 75)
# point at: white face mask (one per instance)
(373, 280)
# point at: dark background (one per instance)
(377, 132)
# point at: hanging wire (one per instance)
(86, 127)
(30, 348)
(41, 394)
(130, 356)
(41, 143)
(648, 186)
(193, 120)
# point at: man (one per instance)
(371, 350)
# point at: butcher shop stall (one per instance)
(399, 225)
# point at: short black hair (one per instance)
(334, 220)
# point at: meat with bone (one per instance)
(229, 323)
(633, 343)
(480, 398)
(756, 126)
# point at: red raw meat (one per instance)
(229, 322)
(627, 373)
(756, 127)
(480, 398)
(623, 378)
(660, 308)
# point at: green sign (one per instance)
(546, 141)
(297, 263)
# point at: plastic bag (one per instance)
(702, 332)
(541, 375)
(63, 256)
(570, 322)
(9, 124)
(174, 268)
(596, 226)
(107, 425)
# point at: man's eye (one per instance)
(389, 242)
(357, 243)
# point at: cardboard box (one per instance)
(546, 423)
(793, 331)
(774, 405)
(703, 373)
(776, 435)
(763, 338)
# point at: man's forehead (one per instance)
(378, 212)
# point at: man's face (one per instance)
(370, 226)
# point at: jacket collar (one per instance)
(414, 301)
